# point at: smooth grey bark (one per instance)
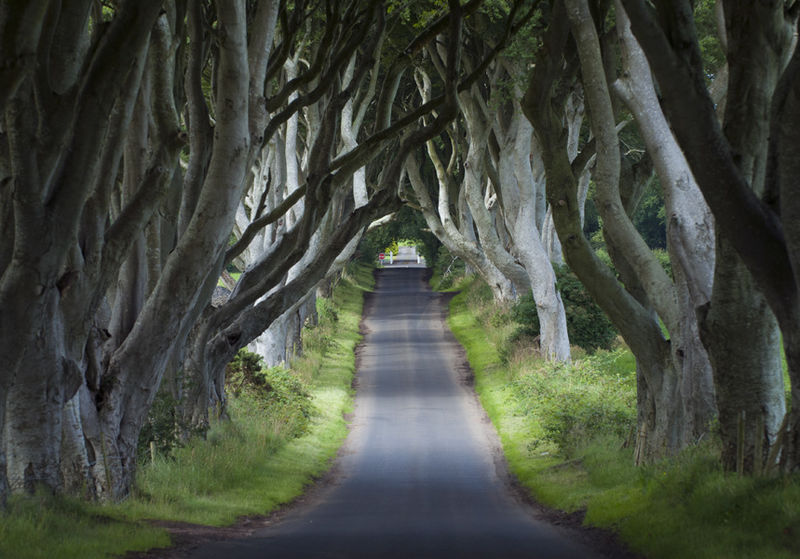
(278, 344)
(75, 465)
(442, 224)
(51, 284)
(662, 415)
(749, 382)
(729, 162)
(474, 182)
(690, 231)
(520, 192)
(21, 25)
(460, 241)
(743, 340)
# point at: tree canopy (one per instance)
(148, 148)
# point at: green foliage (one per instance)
(592, 223)
(163, 426)
(326, 310)
(447, 268)
(581, 401)
(394, 246)
(587, 325)
(650, 216)
(274, 391)
(663, 258)
(710, 48)
(683, 507)
(416, 14)
(408, 227)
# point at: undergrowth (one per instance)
(285, 427)
(567, 432)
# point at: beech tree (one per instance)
(523, 211)
(675, 391)
(132, 138)
(139, 139)
(68, 102)
(743, 165)
(491, 170)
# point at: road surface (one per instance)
(418, 476)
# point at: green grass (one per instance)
(234, 275)
(44, 527)
(248, 466)
(684, 507)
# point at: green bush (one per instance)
(407, 227)
(394, 246)
(276, 391)
(165, 426)
(577, 402)
(663, 258)
(159, 427)
(326, 310)
(587, 325)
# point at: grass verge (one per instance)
(564, 430)
(248, 466)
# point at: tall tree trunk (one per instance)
(275, 343)
(439, 219)
(34, 413)
(75, 467)
(473, 186)
(520, 191)
(689, 229)
(743, 339)
(753, 378)
(663, 425)
(730, 163)
(147, 350)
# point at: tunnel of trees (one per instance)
(149, 148)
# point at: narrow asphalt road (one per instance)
(418, 476)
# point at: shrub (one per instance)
(579, 402)
(326, 310)
(163, 426)
(587, 325)
(275, 391)
(663, 258)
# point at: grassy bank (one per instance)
(567, 429)
(248, 466)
